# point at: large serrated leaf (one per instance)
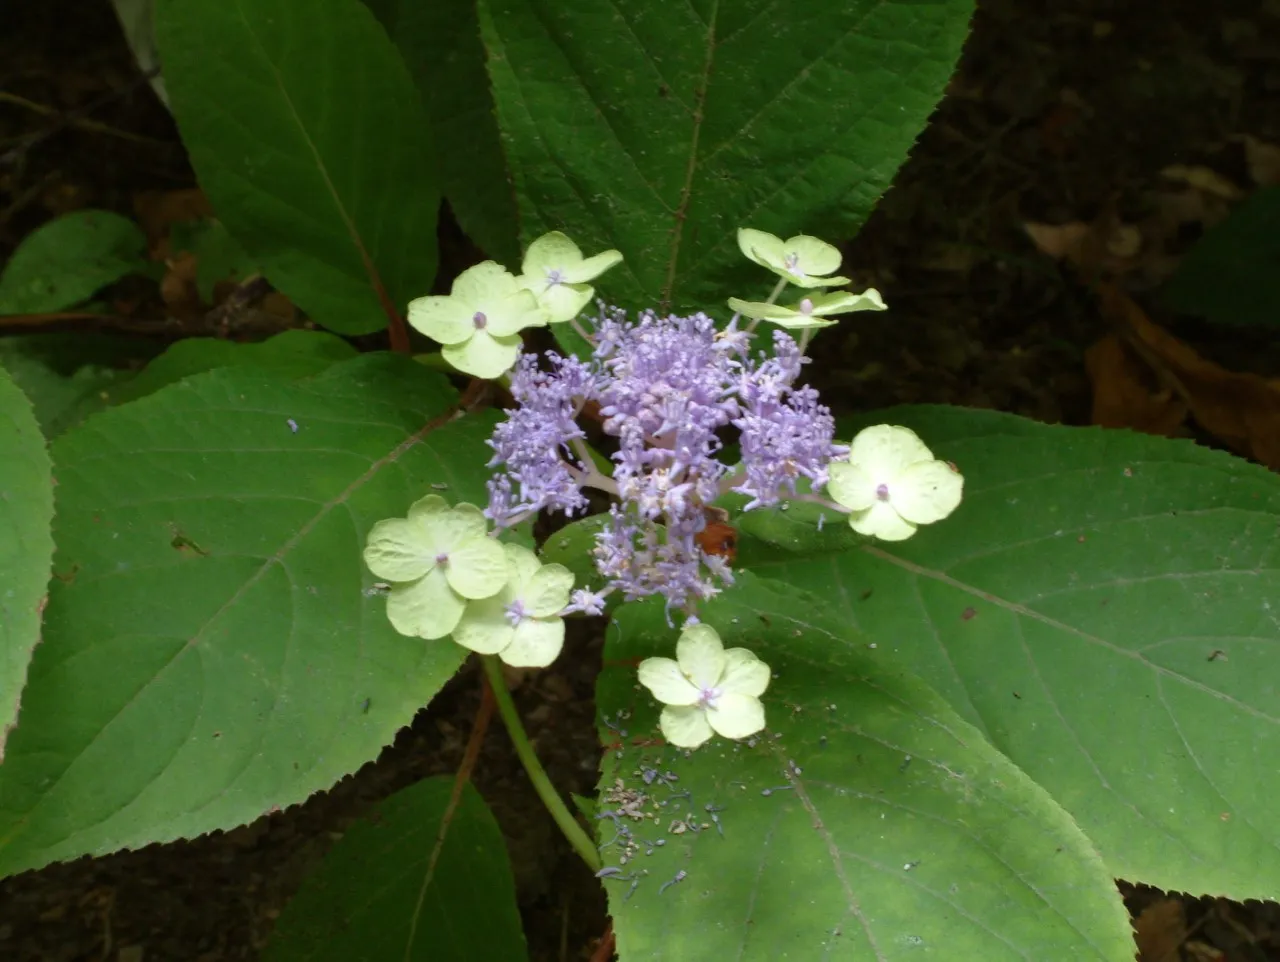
(1103, 607)
(310, 139)
(26, 545)
(659, 127)
(425, 879)
(214, 646)
(868, 822)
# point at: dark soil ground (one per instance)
(1060, 111)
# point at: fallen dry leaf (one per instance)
(1145, 253)
(1241, 410)
(1263, 160)
(178, 289)
(1062, 242)
(1204, 179)
(1204, 952)
(1107, 247)
(1160, 930)
(1126, 393)
(158, 210)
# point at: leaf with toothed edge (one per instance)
(868, 822)
(659, 127)
(26, 545)
(214, 647)
(1102, 605)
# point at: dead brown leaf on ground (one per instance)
(1127, 394)
(1240, 410)
(158, 210)
(1160, 930)
(1263, 160)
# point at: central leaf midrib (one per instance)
(681, 214)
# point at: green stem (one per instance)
(574, 832)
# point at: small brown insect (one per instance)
(720, 539)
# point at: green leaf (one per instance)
(213, 644)
(26, 545)
(440, 44)
(424, 879)
(659, 127)
(219, 256)
(1230, 275)
(287, 355)
(868, 822)
(1101, 606)
(572, 546)
(67, 260)
(67, 377)
(308, 136)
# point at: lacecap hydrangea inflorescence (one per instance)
(669, 390)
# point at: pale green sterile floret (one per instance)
(810, 311)
(437, 559)
(706, 689)
(892, 483)
(521, 624)
(479, 323)
(556, 273)
(802, 260)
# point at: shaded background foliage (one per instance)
(1045, 122)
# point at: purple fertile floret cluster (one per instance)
(784, 431)
(668, 388)
(534, 443)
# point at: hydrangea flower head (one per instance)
(665, 387)
(556, 273)
(480, 321)
(811, 310)
(436, 559)
(706, 689)
(801, 260)
(522, 623)
(892, 483)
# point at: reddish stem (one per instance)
(479, 725)
(398, 332)
(604, 951)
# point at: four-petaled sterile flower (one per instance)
(810, 311)
(521, 624)
(479, 322)
(556, 273)
(802, 260)
(436, 559)
(892, 483)
(706, 688)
